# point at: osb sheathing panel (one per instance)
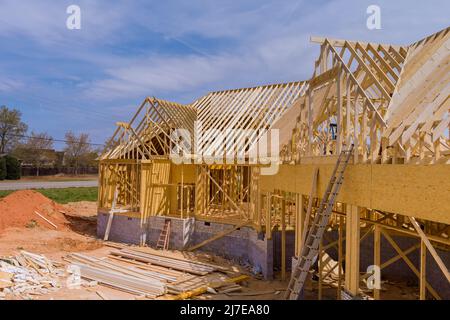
(187, 170)
(154, 193)
(415, 190)
(421, 191)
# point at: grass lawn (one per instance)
(64, 195)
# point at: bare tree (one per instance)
(37, 150)
(78, 149)
(11, 128)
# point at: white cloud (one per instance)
(44, 22)
(164, 74)
(269, 43)
(9, 85)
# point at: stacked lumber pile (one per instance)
(147, 273)
(118, 276)
(27, 274)
(192, 267)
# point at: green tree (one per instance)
(2, 168)
(12, 168)
(11, 128)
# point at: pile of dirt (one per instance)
(86, 209)
(18, 210)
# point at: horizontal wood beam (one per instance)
(411, 190)
(341, 42)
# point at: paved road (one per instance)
(20, 185)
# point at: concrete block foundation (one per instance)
(244, 245)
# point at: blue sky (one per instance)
(86, 80)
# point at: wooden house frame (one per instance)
(390, 101)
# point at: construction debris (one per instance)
(28, 274)
(140, 272)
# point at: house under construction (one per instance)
(351, 166)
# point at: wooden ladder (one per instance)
(310, 248)
(163, 241)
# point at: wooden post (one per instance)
(377, 256)
(352, 233)
(188, 201)
(374, 147)
(340, 255)
(423, 272)
(384, 150)
(310, 122)
(363, 134)
(224, 188)
(421, 146)
(182, 190)
(320, 257)
(268, 216)
(339, 122)
(395, 154)
(355, 128)
(437, 150)
(299, 222)
(283, 237)
(348, 113)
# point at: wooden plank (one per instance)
(213, 285)
(299, 223)
(283, 238)
(111, 215)
(269, 216)
(423, 272)
(323, 77)
(340, 256)
(377, 256)
(352, 250)
(46, 220)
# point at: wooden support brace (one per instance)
(430, 247)
(408, 262)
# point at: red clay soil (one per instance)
(18, 210)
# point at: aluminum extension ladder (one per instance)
(163, 241)
(310, 248)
